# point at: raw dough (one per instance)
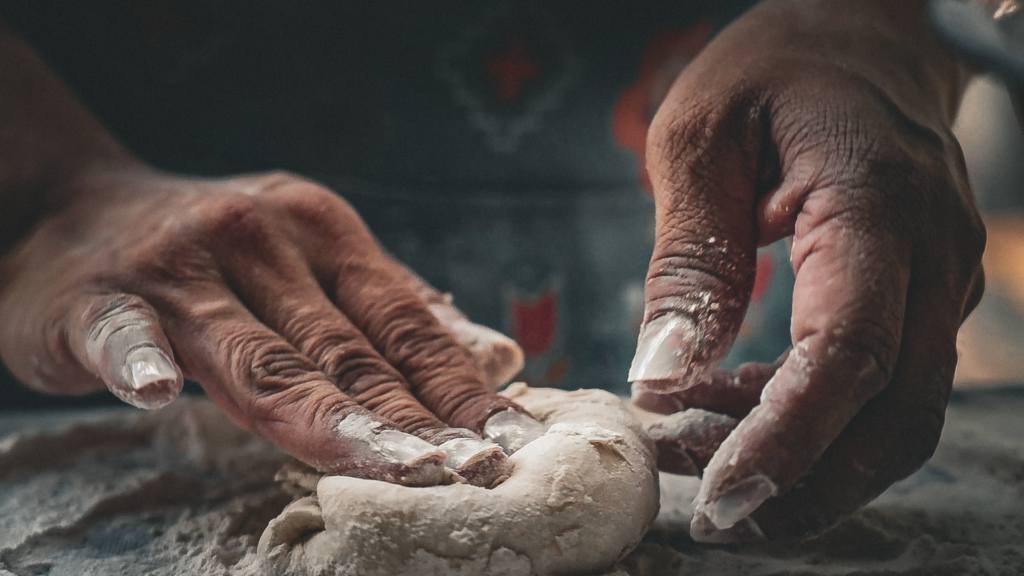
(579, 499)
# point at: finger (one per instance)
(118, 339)
(300, 312)
(268, 387)
(346, 261)
(497, 357)
(898, 430)
(848, 309)
(409, 337)
(733, 393)
(687, 440)
(891, 438)
(704, 169)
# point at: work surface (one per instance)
(183, 492)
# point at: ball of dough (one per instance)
(579, 498)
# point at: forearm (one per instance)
(47, 138)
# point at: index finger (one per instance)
(704, 165)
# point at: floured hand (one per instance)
(270, 292)
(828, 123)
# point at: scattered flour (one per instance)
(182, 492)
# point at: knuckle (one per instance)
(871, 344)
(300, 403)
(413, 337)
(286, 385)
(700, 265)
(275, 370)
(687, 143)
(307, 202)
(272, 362)
(427, 354)
(237, 216)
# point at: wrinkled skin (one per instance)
(828, 124)
(266, 289)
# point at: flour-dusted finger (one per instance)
(851, 286)
(891, 438)
(705, 162)
(267, 386)
(687, 440)
(289, 301)
(733, 392)
(361, 281)
(896, 431)
(118, 339)
(497, 357)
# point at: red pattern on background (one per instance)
(662, 61)
(534, 323)
(763, 277)
(512, 69)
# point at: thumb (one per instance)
(118, 338)
(704, 167)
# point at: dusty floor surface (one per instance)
(183, 492)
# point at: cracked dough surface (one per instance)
(579, 499)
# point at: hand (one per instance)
(827, 123)
(271, 293)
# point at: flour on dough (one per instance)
(578, 500)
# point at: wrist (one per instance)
(47, 141)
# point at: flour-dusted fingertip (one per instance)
(478, 462)
(736, 502)
(703, 530)
(119, 339)
(149, 379)
(512, 430)
(390, 455)
(663, 349)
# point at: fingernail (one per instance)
(401, 447)
(478, 462)
(148, 379)
(392, 444)
(422, 463)
(738, 502)
(703, 530)
(656, 401)
(461, 450)
(662, 350)
(149, 365)
(512, 430)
